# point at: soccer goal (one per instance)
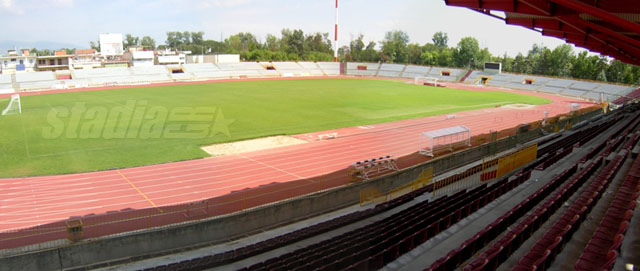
(14, 106)
(427, 81)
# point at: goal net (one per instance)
(429, 81)
(14, 106)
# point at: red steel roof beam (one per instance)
(602, 14)
(604, 30)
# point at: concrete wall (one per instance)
(233, 226)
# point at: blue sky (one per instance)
(79, 21)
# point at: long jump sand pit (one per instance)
(519, 106)
(250, 145)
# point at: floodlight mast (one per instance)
(335, 44)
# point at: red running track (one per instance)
(261, 176)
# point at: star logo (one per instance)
(221, 125)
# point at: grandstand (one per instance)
(313, 68)
(6, 84)
(363, 69)
(593, 91)
(567, 87)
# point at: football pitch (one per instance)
(117, 128)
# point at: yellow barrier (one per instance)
(459, 181)
(516, 160)
(372, 194)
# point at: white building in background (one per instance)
(226, 58)
(142, 58)
(230, 58)
(111, 45)
(16, 62)
(177, 59)
(86, 59)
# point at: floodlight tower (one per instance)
(335, 44)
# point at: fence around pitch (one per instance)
(142, 219)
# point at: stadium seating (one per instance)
(201, 71)
(37, 80)
(412, 71)
(5, 79)
(208, 71)
(313, 68)
(362, 69)
(545, 250)
(289, 69)
(502, 249)
(270, 244)
(330, 68)
(632, 95)
(390, 70)
(441, 74)
(101, 72)
(35, 76)
(512, 240)
(375, 245)
(6, 85)
(575, 88)
(152, 70)
(601, 251)
(6, 88)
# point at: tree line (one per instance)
(294, 45)
(561, 61)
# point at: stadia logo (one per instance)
(135, 119)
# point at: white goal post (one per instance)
(423, 80)
(14, 106)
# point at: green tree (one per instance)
(292, 42)
(215, 46)
(617, 71)
(561, 60)
(370, 54)
(318, 42)
(521, 65)
(95, 45)
(466, 52)
(130, 40)
(148, 42)
(440, 39)
(483, 56)
(414, 52)
(445, 57)
(581, 66)
(242, 42)
(174, 39)
(197, 37)
(394, 46)
(186, 37)
(356, 47)
(428, 58)
(272, 43)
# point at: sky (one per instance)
(79, 21)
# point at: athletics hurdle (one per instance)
(372, 167)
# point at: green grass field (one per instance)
(96, 130)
